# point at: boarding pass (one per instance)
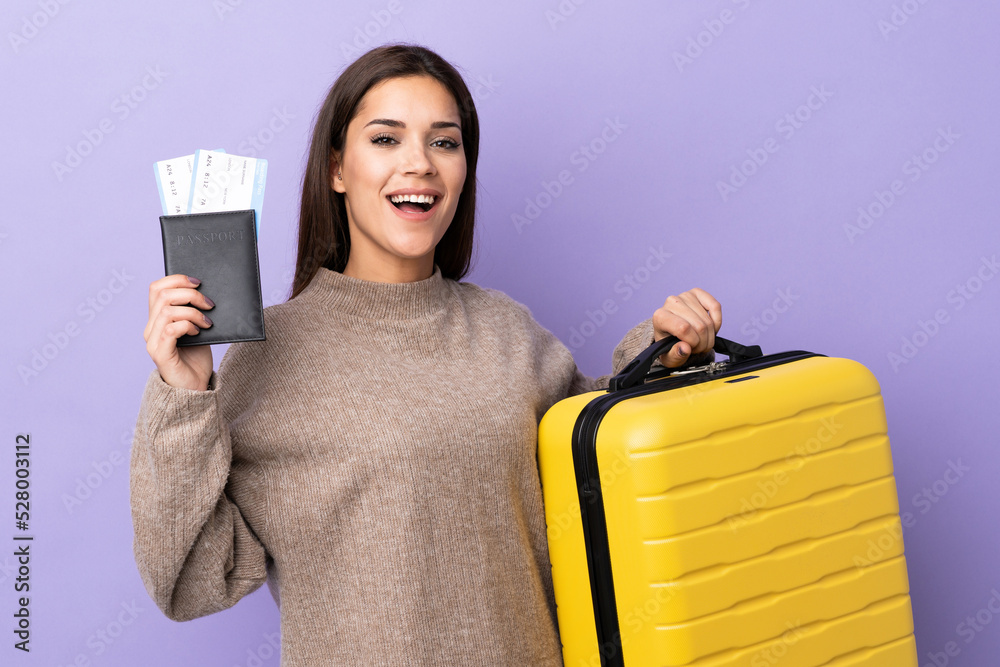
(211, 181)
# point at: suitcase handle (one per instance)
(637, 369)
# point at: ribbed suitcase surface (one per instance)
(751, 519)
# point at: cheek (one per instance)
(368, 180)
(459, 177)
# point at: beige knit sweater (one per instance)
(374, 461)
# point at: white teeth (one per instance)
(416, 199)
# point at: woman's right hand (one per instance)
(170, 317)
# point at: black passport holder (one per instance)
(220, 249)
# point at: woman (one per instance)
(374, 458)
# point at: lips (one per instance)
(414, 204)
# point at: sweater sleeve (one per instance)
(637, 339)
(556, 371)
(194, 550)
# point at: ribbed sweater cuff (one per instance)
(188, 411)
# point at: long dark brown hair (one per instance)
(324, 236)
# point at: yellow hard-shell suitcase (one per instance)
(741, 513)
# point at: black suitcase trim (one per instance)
(588, 483)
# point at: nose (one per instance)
(416, 160)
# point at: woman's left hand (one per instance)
(694, 317)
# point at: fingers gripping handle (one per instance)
(637, 369)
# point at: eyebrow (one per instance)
(400, 124)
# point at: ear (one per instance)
(336, 182)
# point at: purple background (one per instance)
(547, 84)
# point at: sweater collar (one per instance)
(377, 301)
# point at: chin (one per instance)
(413, 253)
(414, 248)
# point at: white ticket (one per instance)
(173, 180)
(223, 182)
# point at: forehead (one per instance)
(413, 99)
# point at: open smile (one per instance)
(413, 207)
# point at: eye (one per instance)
(383, 140)
(446, 142)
